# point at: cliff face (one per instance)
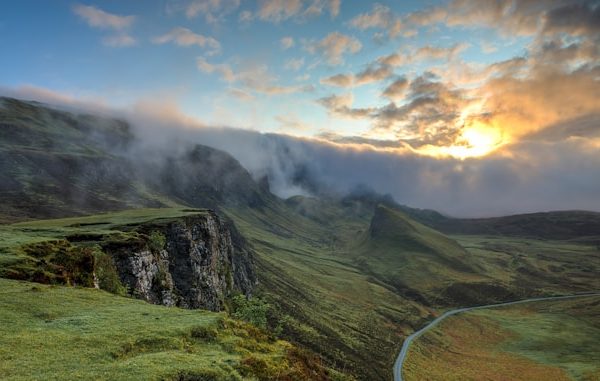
(195, 264)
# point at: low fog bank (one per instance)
(537, 174)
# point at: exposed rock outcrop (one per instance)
(203, 260)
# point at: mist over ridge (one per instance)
(539, 174)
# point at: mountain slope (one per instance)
(560, 225)
(348, 279)
(57, 163)
(414, 259)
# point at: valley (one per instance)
(553, 339)
(332, 284)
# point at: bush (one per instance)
(106, 273)
(253, 311)
(76, 264)
(156, 241)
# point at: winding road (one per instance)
(406, 345)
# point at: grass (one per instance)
(353, 297)
(540, 266)
(138, 340)
(58, 333)
(326, 302)
(13, 237)
(343, 290)
(554, 340)
(411, 256)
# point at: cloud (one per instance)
(423, 53)
(430, 115)
(488, 47)
(303, 77)
(396, 90)
(291, 124)
(539, 173)
(514, 17)
(372, 73)
(98, 18)
(341, 105)
(241, 94)
(252, 77)
(334, 7)
(213, 11)
(381, 17)
(339, 80)
(526, 105)
(333, 47)
(185, 37)
(277, 11)
(120, 40)
(294, 64)
(224, 70)
(574, 18)
(286, 42)
(246, 16)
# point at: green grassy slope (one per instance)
(560, 225)
(339, 273)
(554, 340)
(411, 257)
(60, 333)
(325, 302)
(534, 266)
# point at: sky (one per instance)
(498, 99)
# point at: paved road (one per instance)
(406, 345)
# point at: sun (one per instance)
(475, 140)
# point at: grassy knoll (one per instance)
(555, 340)
(59, 333)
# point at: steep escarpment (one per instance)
(189, 262)
(190, 258)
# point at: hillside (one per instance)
(561, 225)
(414, 259)
(58, 333)
(56, 163)
(345, 277)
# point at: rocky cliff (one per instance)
(192, 262)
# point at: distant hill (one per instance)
(415, 259)
(57, 163)
(561, 225)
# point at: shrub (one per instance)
(106, 273)
(253, 310)
(156, 241)
(76, 264)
